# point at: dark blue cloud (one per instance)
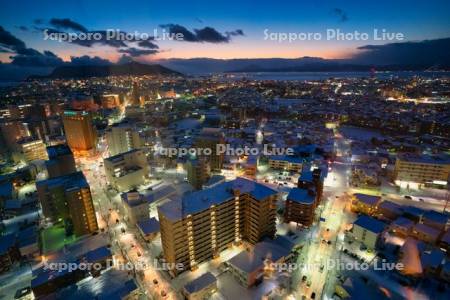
(135, 52)
(88, 61)
(341, 14)
(67, 24)
(425, 53)
(147, 44)
(203, 35)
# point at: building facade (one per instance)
(68, 198)
(60, 161)
(80, 132)
(414, 172)
(199, 226)
(121, 138)
(127, 170)
(198, 172)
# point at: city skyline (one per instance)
(225, 150)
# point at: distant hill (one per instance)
(86, 71)
(302, 64)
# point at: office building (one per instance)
(200, 225)
(60, 161)
(29, 149)
(127, 170)
(122, 137)
(414, 172)
(68, 198)
(198, 172)
(80, 133)
(300, 206)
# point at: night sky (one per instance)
(417, 20)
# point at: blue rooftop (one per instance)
(7, 242)
(302, 196)
(58, 150)
(69, 181)
(97, 254)
(200, 283)
(149, 226)
(370, 224)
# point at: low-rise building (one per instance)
(366, 204)
(286, 163)
(402, 227)
(367, 231)
(201, 288)
(148, 228)
(413, 171)
(127, 170)
(249, 267)
(300, 206)
(425, 233)
(388, 210)
(136, 206)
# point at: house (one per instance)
(366, 204)
(435, 219)
(432, 261)
(201, 288)
(148, 228)
(402, 227)
(368, 231)
(425, 233)
(388, 210)
(444, 242)
(249, 267)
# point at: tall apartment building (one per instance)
(412, 171)
(127, 170)
(300, 206)
(199, 226)
(68, 198)
(198, 172)
(80, 133)
(122, 137)
(60, 161)
(209, 138)
(29, 149)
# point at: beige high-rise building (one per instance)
(122, 137)
(413, 171)
(199, 226)
(68, 198)
(80, 132)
